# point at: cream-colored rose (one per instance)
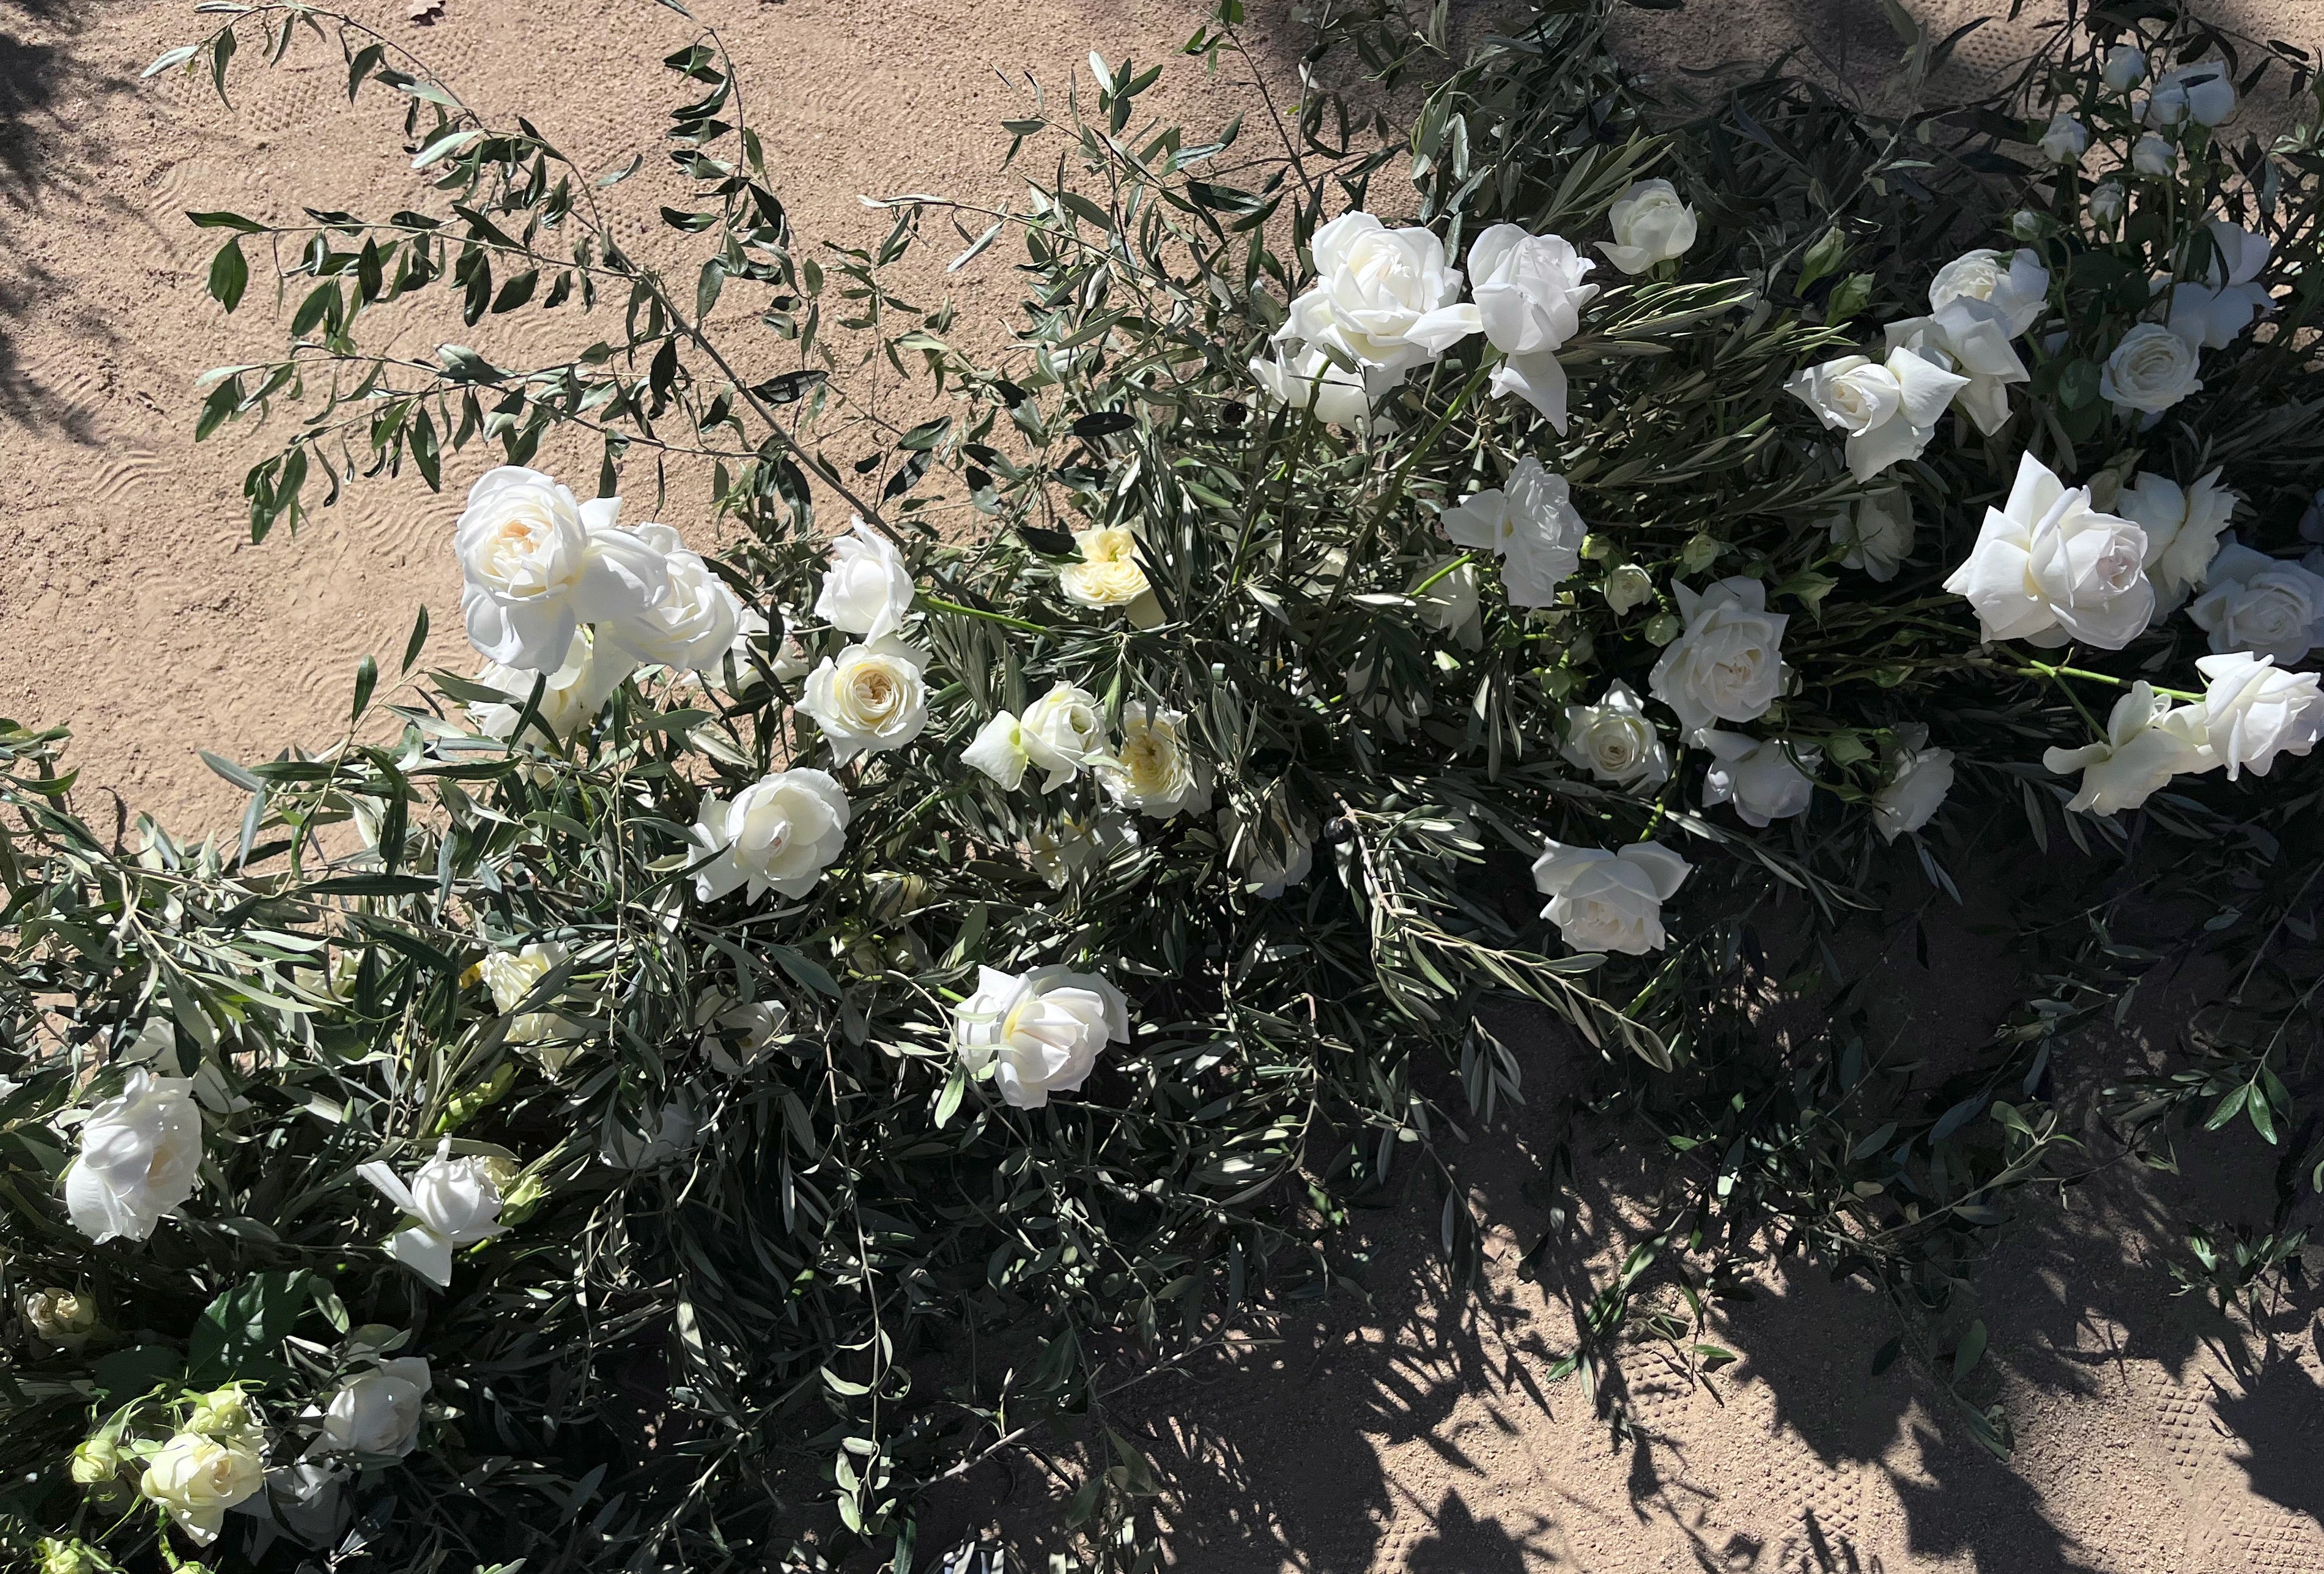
(2049, 568)
(2254, 711)
(1728, 662)
(1060, 731)
(1530, 524)
(1609, 901)
(2182, 526)
(999, 750)
(1650, 225)
(140, 1153)
(2269, 606)
(1888, 409)
(693, 627)
(452, 1201)
(1059, 852)
(1614, 741)
(1626, 587)
(510, 976)
(1765, 780)
(1303, 377)
(869, 699)
(2017, 289)
(2151, 370)
(1919, 780)
(1040, 1031)
(537, 565)
(569, 700)
(867, 589)
(1384, 298)
(197, 1478)
(377, 1411)
(780, 834)
(1153, 771)
(2147, 743)
(64, 1318)
(1108, 574)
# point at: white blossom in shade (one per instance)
(1061, 731)
(1627, 586)
(2147, 743)
(693, 627)
(1615, 741)
(1888, 409)
(1609, 901)
(1530, 524)
(377, 1411)
(1969, 340)
(449, 1201)
(1919, 780)
(780, 834)
(1152, 771)
(1040, 1031)
(869, 699)
(66, 1319)
(1727, 664)
(2065, 139)
(734, 1035)
(2213, 313)
(1449, 604)
(569, 700)
(1270, 861)
(536, 565)
(2107, 200)
(1875, 533)
(2017, 287)
(1383, 298)
(2154, 157)
(867, 588)
(1529, 296)
(659, 1134)
(140, 1153)
(2151, 370)
(2253, 711)
(2124, 68)
(2182, 526)
(999, 750)
(195, 1478)
(1764, 780)
(1057, 853)
(2266, 605)
(1305, 377)
(2203, 93)
(1651, 224)
(2049, 568)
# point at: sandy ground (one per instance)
(2154, 1436)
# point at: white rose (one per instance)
(1889, 410)
(1760, 777)
(1039, 1032)
(2264, 605)
(1152, 770)
(1970, 339)
(2254, 711)
(1450, 603)
(1108, 575)
(1876, 535)
(661, 1136)
(1384, 298)
(1529, 297)
(2107, 199)
(570, 699)
(1609, 901)
(2182, 528)
(1650, 224)
(2154, 156)
(140, 1153)
(2048, 568)
(511, 976)
(2214, 314)
(2152, 369)
(1919, 779)
(377, 1411)
(1058, 852)
(869, 699)
(1530, 524)
(736, 1035)
(65, 1318)
(2147, 743)
(536, 565)
(2065, 140)
(196, 1478)
(1281, 856)
(1062, 729)
(450, 1201)
(2019, 292)
(695, 626)
(2124, 68)
(1727, 663)
(867, 589)
(999, 750)
(2201, 92)
(1305, 377)
(780, 834)
(1626, 587)
(1615, 742)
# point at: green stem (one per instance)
(2034, 668)
(1422, 588)
(938, 604)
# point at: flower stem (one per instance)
(938, 604)
(1422, 588)
(2034, 668)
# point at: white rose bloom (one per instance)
(1889, 410)
(1727, 663)
(1615, 742)
(2065, 140)
(1759, 776)
(1152, 770)
(1609, 901)
(1268, 871)
(1449, 604)
(734, 1035)
(1384, 298)
(571, 698)
(2018, 290)
(2152, 369)
(196, 1478)
(791, 662)
(1650, 224)
(510, 976)
(377, 1411)
(1626, 587)
(1970, 339)
(661, 1136)
(1919, 779)
(999, 750)
(2154, 156)
(2214, 314)
(1304, 376)
(537, 565)
(2264, 605)
(2048, 568)
(1059, 853)
(2182, 528)
(779, 834)
(1039, 1032)
(2124, 68)
(64, 1318)
(2107, 200)
(2201, 92)
(1876, 535)
(1108, 575)
(2253, 711)
(695, 626)
(140, 1153)
(451, 1202)
(2147, 743)
(869, 699)
(1061, 730)
(1530, 524)
(867, 589)
(1529, 297)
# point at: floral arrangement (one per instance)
(577, 1115)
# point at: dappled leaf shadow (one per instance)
(2275, 1417)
